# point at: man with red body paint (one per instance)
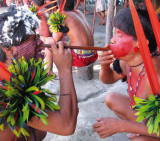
(124, 46)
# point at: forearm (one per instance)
(106, 75)
(134, 127)
(68, 98)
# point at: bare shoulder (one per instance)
(69, 14)
(72, 19)
(79, 12)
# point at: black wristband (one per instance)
(63, 29)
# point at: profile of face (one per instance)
(121, 44)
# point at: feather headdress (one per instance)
(17, 24)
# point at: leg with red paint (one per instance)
(120, 105)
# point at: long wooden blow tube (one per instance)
(80, 47)
(148, 63)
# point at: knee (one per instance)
(109, 100)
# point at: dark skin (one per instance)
(63, 121)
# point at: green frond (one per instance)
(149, 110)
(33, 9)
(22, 98)
(55, 20)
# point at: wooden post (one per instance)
(86, 72)
(115, 12)
(110, 16)
(94, 17)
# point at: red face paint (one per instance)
(121, 44)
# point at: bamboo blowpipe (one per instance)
(80, 47)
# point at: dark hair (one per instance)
(69, 6)
(2, 55)
(123, 21)
(39, 2)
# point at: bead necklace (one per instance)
(136, 65)
(132, 92)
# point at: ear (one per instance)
(136, 43)
(136, 47)
(147, 42)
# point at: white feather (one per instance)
(30, 20)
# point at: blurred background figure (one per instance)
(84, 6)
(100, 10)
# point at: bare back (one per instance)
(79, 30)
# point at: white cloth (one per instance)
(101, 5)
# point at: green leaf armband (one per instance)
(56, 22)
(63, 29)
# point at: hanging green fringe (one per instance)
(23, 96)
(149, 111)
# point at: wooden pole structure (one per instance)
(110, 16)
(94, 17)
